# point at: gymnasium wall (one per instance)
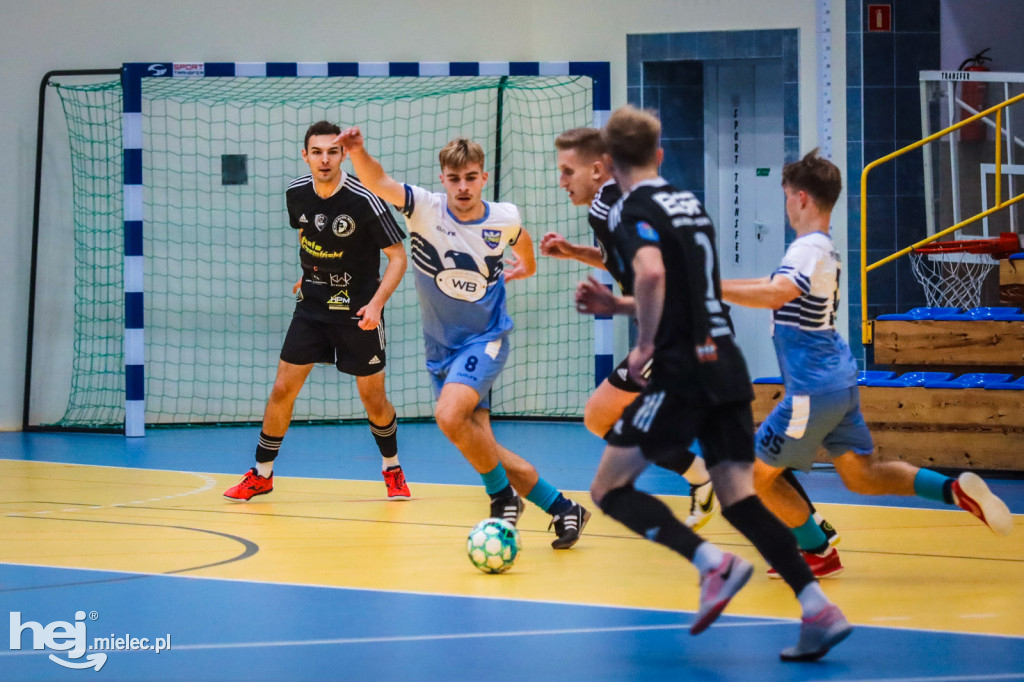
(45, 35)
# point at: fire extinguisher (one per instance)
(973, 94)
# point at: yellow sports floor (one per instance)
(907, 568)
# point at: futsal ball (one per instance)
(493, 545)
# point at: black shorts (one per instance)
(661, 424)
(620, 379)
(352, 350)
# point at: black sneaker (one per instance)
(569, 526)
(508, 508)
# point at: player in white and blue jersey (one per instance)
(458, 250)
(822, 403)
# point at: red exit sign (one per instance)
(879, 17)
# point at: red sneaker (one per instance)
(824, 565)
(398, 489)
(971, 494)
(251, 485)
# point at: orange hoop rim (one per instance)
(1006, 244)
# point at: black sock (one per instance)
(792, 480)
(947, 491)
(678, 462)
(386, 437)
(648, 516)
(772, 539)
(560, 506)
(267, 448)
(507, 491)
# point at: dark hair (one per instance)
(586, 142)
(320, 128)
(817, 176)
(631, 137)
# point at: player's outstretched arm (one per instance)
(555, 245)
(522, 264)
(765, 292)
(368, 169)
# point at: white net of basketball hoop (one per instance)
(952, 273)
(952, 279)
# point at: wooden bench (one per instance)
(970, 428)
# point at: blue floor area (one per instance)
(563, 453)
(229, 630)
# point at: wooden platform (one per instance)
(935, 427)
(996, 345)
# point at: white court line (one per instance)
(945, 678)
(208, 483)
(434, 638)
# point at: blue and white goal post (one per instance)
(135, 132)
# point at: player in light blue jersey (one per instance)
(458, 250)
(822, 403)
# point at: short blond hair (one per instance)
(632, 137)
(461, 152)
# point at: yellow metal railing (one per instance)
(867, 326)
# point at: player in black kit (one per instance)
(699, 387)
(585, 174)
(339, 317)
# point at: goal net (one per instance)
(220, 260)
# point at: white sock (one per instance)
(707, 557)
(388, 462)
(264, 469)
(812, 599)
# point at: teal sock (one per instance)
(544, 495)
(810, 537)
(931, 485)
(495, 480)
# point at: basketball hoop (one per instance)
(952, 273)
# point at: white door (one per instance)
(743, 142)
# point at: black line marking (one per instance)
(250, 549)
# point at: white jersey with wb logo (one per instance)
(459, 267)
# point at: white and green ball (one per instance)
(493, 545)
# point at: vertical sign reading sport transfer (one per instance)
(70, 643)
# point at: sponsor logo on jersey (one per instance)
(647, 232)
(320, 220)
(317, 251)
(343, 226)
(464, 285)
(492, 238)
(341, 280)
(340, 301)
(707, 351)
(302, 218)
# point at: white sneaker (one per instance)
(818, 634)
(703, 505)
(717, 587)
(972, 494)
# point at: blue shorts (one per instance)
(791, 435)
(476, 365)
